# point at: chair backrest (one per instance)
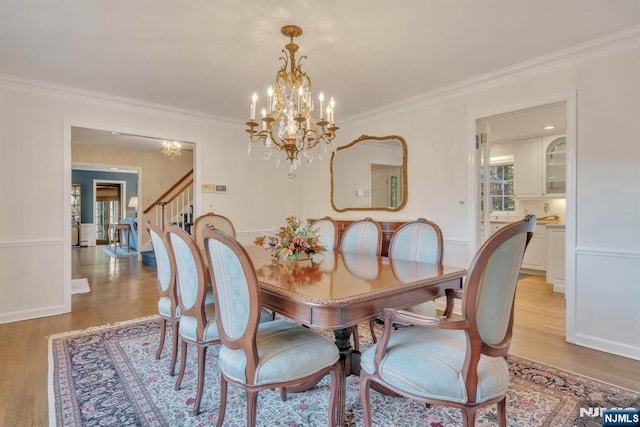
(489, 290)
(328, 232)
(218, 221)
(165, 265)
(362, 237)
(419, 240)
(237, 295)
(190, 278)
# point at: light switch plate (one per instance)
(221, 188)
(208, 188)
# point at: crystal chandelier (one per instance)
(287, 124)
(171, 148)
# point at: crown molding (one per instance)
(71, 93)
(602, 47)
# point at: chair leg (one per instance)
(163, 332)
(223, 400)
(334, 397)
(469, 416)
(283, 394)
(365, 383)
(174, 348)
(502, 412)
(356, 338)
(252, 407)
(202, 353)
(183, 363)
(373, 332)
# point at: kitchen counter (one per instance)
(539, 222)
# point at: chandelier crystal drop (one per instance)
(171, 148)
(287, 122)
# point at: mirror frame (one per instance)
(404, 172)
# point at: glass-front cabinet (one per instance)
(555, 165)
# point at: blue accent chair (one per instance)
(457, 362)
(257, 356)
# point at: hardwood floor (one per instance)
(123, 289)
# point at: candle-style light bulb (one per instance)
(321, 97)
(300, 91)
(254, 98)
(264, 122)
(269, 99)
(332, 103)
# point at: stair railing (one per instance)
(175, 205)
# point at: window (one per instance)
(501, 182)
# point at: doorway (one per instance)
(385, 182)
(518, 125)
(108, 208)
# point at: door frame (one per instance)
(123, 199)
(569, 98)
(67, 165)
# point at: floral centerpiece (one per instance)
(293, 241)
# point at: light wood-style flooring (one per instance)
(123, 289)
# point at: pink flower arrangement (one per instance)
(292, 241)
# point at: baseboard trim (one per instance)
(559, 288)
(17, 316)
(608, 346)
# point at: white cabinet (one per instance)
(556, 257)
(535, 257)
(527, 176)
(495, 226)
(539, 167)
(554, 169)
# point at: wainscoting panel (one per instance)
(607, 300)
(31, 279)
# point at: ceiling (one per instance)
(210, 56)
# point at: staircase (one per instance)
(174, 206)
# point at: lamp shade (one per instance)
(133, 202)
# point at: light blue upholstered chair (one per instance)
(456, 362)
(420, 240)
(198, 315)
(362, 237)
(257, 356)
(168, 298)
(218, 221)
(328, 232)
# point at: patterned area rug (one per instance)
(108, 376)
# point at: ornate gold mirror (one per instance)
(370, 173)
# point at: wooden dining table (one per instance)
(335, 291)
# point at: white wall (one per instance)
(606, 255)
(35, 170)
(605, 293)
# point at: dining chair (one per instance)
(257, 356)
(168, 298)
(327, 229)
(419, 240)
(198, 317)
(218, 221)
(458, 362)
(362, 237)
